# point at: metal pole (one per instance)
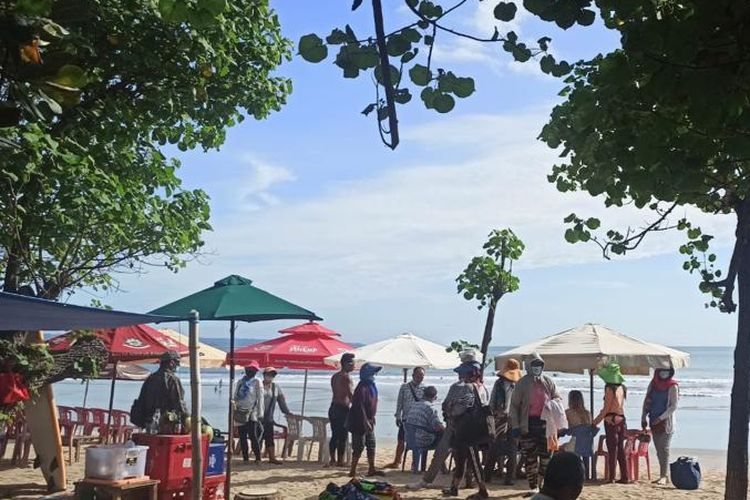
(85, 393)
(406, 370)
(111, 401)
(591, 392)
(230, 431)
(195, 409)
(304, 395)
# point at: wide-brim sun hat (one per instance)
(270, 369)
(611, 374)
(253, 365)
(511, 371)
(468, 367)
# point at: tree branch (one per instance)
(385, 70)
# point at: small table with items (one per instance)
(138, 487)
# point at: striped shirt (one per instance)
(406, 398)
(424, 415)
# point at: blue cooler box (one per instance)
(215, 459)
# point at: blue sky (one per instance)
(311, 206)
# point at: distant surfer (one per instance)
(162, 392)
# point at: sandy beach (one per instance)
(298, 480)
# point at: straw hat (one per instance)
(270, 369)
(511, 370)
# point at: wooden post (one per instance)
(195, 409)
(230, 417)
(111, 402)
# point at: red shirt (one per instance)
(537, 400)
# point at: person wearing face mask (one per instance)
(658, 412)
(361, 421)
(526, 405)
(162, 391)
(272, 395)
(248, 411)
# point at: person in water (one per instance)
(659, 407)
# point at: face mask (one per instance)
(664, 375)
(536, 370)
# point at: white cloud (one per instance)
(254, 189)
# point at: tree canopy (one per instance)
(100, 88)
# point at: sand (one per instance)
(301, 480)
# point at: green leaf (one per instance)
(369, 109)
(443, 103)
(505, 11)
(420, 75)
(311, 48)
(586, 17)
(337, 37)
(402, 96)
(463, 87)
(409, 56)
(397, 45)
(593, 223)
(395, 76)
(215, 7)
(356, 4)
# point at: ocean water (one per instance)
(702, 416)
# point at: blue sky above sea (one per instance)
(311, 206)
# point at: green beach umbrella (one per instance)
(232, 299)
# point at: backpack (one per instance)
(137, 414)
(686, 473)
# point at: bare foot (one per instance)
(375, 472)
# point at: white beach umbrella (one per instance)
(209, 356)
(590, 346)
(403, 351)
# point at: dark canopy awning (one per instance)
(19, 312)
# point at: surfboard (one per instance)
(42, 419)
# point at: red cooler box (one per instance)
(170, 459)
(213, 487)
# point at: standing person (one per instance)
(341, 400)
(502, 444)
(465, 397)
(361, 420)
(526, 405)
(272, 396)
(613, 416)
(658, 412)
(162, 391)
(248, 412)
(410, 393)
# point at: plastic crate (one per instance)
(215, 461)
(115, 461)
(213, 487)
(170, 460)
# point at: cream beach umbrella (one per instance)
(403, 351)
(209, 356)
(590, 346)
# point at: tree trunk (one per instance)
(737, 461)
(487, 337)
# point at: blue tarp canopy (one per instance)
(19, 312)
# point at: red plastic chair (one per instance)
(100, 417)
(121, 429)
(601, 452)
(639, 447)
(22, 442)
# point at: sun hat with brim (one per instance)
(468, 367)
(611, 374)
(511, 371)
(270, 369)
(253, 365)
(368, 369)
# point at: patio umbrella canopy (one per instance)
(590, 346)
(403, 351)
(301, 347)
(234, 298)
(210, 356)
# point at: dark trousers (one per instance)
(463, 455)
(536, 454)
(500, 448)
(268, 440)
(615, 436)
(337, 415)
(250, 430)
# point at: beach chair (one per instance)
(22, 443)
(319, 436)
(601, 452)
(99, 419)
(637, 447)
(293, 434)
(121, 429)
(78, 430)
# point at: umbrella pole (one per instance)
(230, 430)
(405, 372)
(111, 400)
(304, 395)
(195, 409)
(591, 393)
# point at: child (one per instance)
(579, 426)
(577, 413)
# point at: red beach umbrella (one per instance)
(301, 347)
(125, 343)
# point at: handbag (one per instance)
(685, 473)
(476, 425)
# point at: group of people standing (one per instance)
(485, 431)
